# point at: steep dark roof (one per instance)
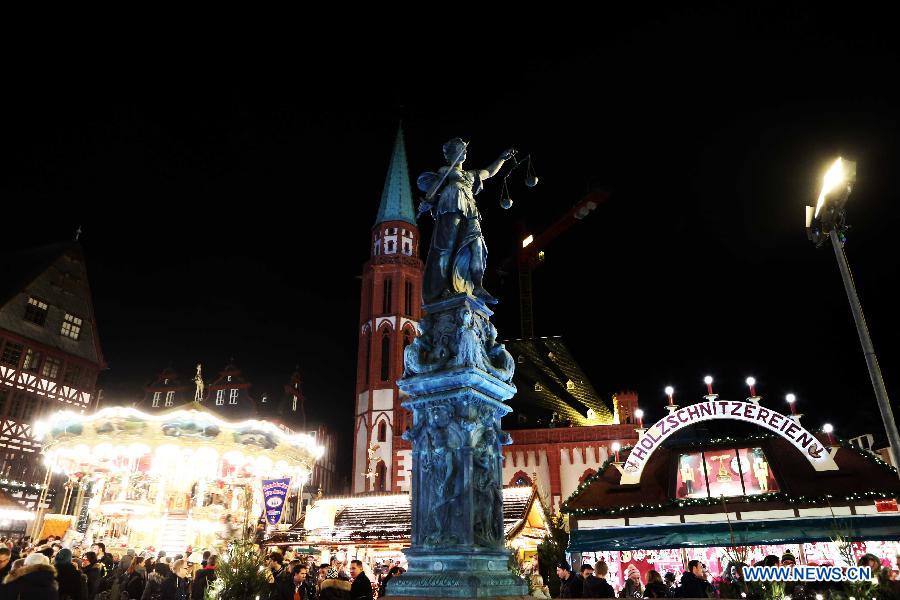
(544, 366)
(21, 267)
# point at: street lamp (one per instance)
(828, 219)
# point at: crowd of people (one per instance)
(46, 570)
(591, 581)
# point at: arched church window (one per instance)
(382, 431)
(367, 340)
(408, 337)
(385, 356)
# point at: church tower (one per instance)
(390, 309)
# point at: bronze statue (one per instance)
(457, 256)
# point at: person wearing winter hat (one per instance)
(334, 588)
(36, 580)
(68, 577)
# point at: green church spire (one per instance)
(396, 199)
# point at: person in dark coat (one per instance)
(136, 578)
(203, 578)
(569, 584)
(596, 585)
(334, 588)
(155, 587)
(362, 587)
(94, 569)
(656, 588)
(36, 580)
(68, 577)
(694, 583)
(5, 561)
(177, 585)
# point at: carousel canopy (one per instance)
(74, 442)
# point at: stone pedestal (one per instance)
(457, 378)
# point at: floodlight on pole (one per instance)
(828, 220)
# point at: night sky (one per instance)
(227, 209)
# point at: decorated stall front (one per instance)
(377, 527)
(749, 497)
(171, 480)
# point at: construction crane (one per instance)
(531, 254)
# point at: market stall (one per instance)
(749, 497)
(377, 527)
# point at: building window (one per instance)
(36, 311)
(390, 247)
(408, 337)
(71, 327)
(156, 396)
(51, 367)
(408, 297)
(220, 397)
(11, 354)
(232, 397)
(170, 398)
(406, 248)
(386, 296)
(385, 356)
(32, 361)
(382, 431)
(368, 342)
(72, 375)
(570, 385)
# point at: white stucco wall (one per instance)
(404, 465)
(360, 446)
(383, 399)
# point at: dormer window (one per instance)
(570, 385)
(35, 311)
(156, 397)
(229, 379)
(170, 398)
(232, 398)
(220, 397)
(538, 387)
(71, 327)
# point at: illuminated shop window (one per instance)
(726, 472)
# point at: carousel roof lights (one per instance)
(41, 428)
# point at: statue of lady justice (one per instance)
(457, 256)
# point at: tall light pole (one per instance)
(828, 219)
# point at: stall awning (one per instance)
(746, 533)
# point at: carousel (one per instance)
(167, 481)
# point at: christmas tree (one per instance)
(240, 575)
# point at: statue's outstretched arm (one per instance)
(492, 169)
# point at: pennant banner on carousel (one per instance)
(819, 456)
(274, 494)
